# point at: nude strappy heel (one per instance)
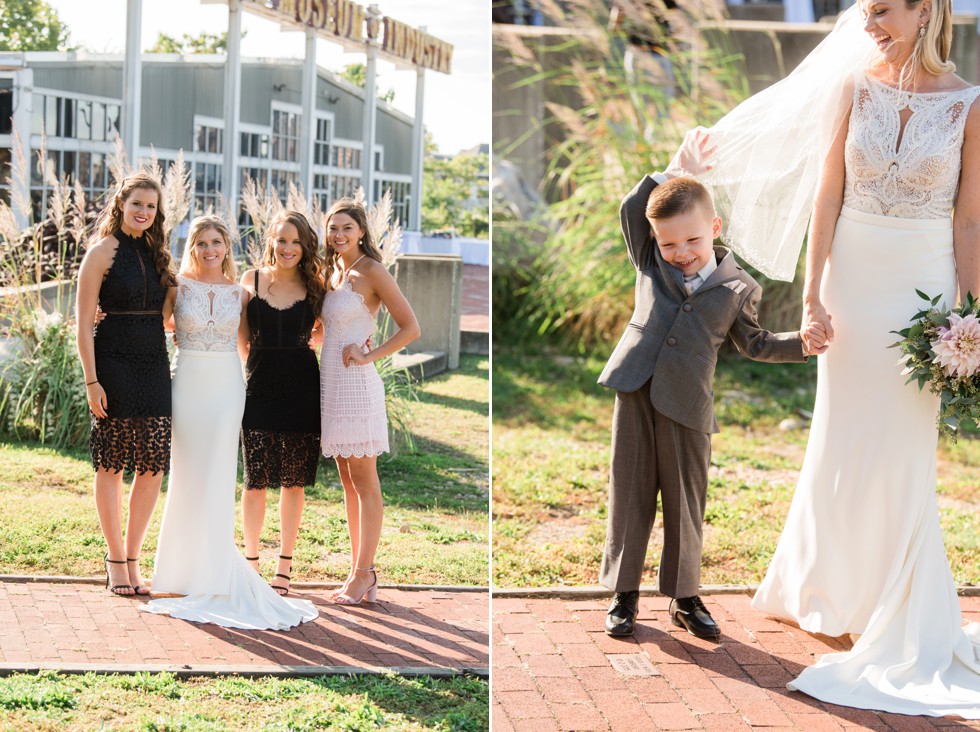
(370, 593)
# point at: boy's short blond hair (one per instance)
(678, 196)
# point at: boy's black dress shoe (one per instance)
(621, 618)
(690, 613)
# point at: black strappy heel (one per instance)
(280, 590)
(137, 588)
(114, 589)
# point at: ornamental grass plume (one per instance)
(958, 347)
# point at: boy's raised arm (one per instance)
(689, 160)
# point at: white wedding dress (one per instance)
(862, 550)
(196, 553)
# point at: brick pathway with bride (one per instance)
(555, 669)
(79, 626)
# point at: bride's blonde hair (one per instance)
(197, 227)
(932, 49)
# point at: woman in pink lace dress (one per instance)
(352, 397)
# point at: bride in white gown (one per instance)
(196, 553)
(862, 550)
(876, 137)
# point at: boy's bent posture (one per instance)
(690, 296)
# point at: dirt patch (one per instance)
(558, 530)
(748, 475)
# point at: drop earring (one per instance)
(922, 31)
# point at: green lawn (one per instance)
(551, 469)
(436, 520)
(158, 703)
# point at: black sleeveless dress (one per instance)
(132, 365)
(281, 425)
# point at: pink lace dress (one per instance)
(352, 399)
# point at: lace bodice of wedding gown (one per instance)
(206, 316)
(912, 173)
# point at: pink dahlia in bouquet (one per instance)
(941, 349)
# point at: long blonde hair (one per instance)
(932, 49)
(110, 221)
(198, 226)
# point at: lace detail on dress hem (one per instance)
(279, 459)
(348, 451)
(131, 444)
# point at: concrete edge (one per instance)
(63, 580)
(213, 671)
(600, 593)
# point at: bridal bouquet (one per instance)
(941, 348)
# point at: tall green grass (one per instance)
(609, 120)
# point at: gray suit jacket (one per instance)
(673, 338)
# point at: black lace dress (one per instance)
(132, 365)
(281, 425)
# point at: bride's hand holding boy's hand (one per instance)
(690, 158)
(815, 312)
(814, 337)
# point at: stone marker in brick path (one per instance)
(555, 669)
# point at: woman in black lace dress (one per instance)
(281, 426)
(127, 274)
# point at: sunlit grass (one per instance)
(436, 525)
(551, 470)
(49, 701)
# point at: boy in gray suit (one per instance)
(690, 296)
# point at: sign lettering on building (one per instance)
(349, 22)
(416, 46)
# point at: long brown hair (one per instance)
(367, 244)
(110, 221)
(310, 264)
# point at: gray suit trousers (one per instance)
(651, 455)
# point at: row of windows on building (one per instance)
(75, 119)
(270, 157)
(285, 143)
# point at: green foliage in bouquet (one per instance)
(942, 351)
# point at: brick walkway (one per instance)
(476, 298)
(555, 669)
(80, 626)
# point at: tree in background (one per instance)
(206, 43)
(31, 25)
(356, 74)
(456, 191)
